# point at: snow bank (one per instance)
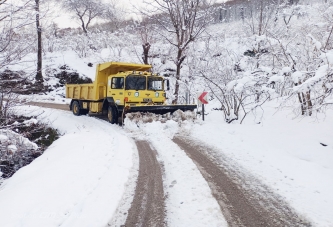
(78, 181)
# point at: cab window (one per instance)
(135, 82)
(155, 83)
(117, 83)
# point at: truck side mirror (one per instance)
(168, 85)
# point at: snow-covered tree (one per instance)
(184, 21)
(86, 11)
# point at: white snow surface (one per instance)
(78, 181)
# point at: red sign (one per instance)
(202, 98)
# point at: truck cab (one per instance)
(136, 88)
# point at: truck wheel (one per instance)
(112, 115)
(76, 108)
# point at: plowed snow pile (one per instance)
(178, 116)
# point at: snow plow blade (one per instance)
(160, 109)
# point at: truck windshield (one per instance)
(134, 82)
(155, 83)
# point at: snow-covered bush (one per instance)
(290, 60)
(15, 152)
(21, 141)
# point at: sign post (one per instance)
(203, 112)
(203, 100)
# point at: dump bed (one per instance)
(85, 91)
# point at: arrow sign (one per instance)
(202, 98)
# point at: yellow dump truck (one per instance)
(120, 88)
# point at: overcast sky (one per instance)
(65, 20)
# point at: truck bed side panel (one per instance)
(81, 92)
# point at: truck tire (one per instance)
(112, 115)
(76, 108)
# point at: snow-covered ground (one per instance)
(78, 181)
(84, 175)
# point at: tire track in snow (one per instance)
(239, 207)
(147, 208)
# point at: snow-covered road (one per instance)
(88, 176)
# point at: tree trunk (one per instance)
(302, 105)
(309, 103)
(175, 101)
(180, 60)
(146, 48)
(83, 26)
(39, 76)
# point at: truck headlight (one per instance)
(157, 94)
(136, 94)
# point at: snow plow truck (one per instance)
(120, 88)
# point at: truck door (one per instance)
(116, 89)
